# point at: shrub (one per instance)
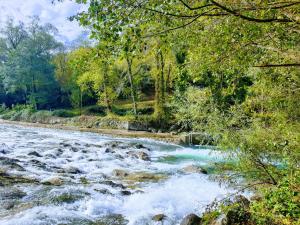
(64, 113)
(40, 116)
(281, 205)
(97, 110)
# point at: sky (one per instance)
(56, 14)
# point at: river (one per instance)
(68, 177)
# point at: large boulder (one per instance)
(191, 219)
(139, 155)
(237, 214)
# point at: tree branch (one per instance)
(258, 20)
(278, 65)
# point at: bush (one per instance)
(122, 111)
(40, 116)
(281, 205)
(64, 113)
(146, 111)
(96, 110)
(7, 115)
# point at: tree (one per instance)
(27, 64)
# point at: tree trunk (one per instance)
(159, 86)
(168, 85)
(105, 77)
(132, 88)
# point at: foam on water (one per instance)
(176, 196)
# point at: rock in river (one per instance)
(34, 153)
(191, 219)
(120, 173)
(11, 193)
(139, 155)
(194, 169)
(56, 181)
(159, 217)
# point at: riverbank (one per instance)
(166, 137)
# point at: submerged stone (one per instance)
(34, 153)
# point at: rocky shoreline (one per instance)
(166, 137)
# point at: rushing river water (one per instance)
(85, 178)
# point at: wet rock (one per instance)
(113, 144)
(113, 184)
(109, 150)
(72, 170)
(67, 198)
(11, 193)
(125, 192)
(113, 219)
(50, 156)
(58, 152)
(73, 149)
(56, 181)
(140, 146)
(118, 156)
(191, 219)
(65, 145)
(7, 205)
(12, 164)
(159, 217)
(4, 149)
(144, 177)
(103, 191)
(38, 163)
(139, 155)
(194, 169)
(7, 179)
(120, 173)
(34, 153)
